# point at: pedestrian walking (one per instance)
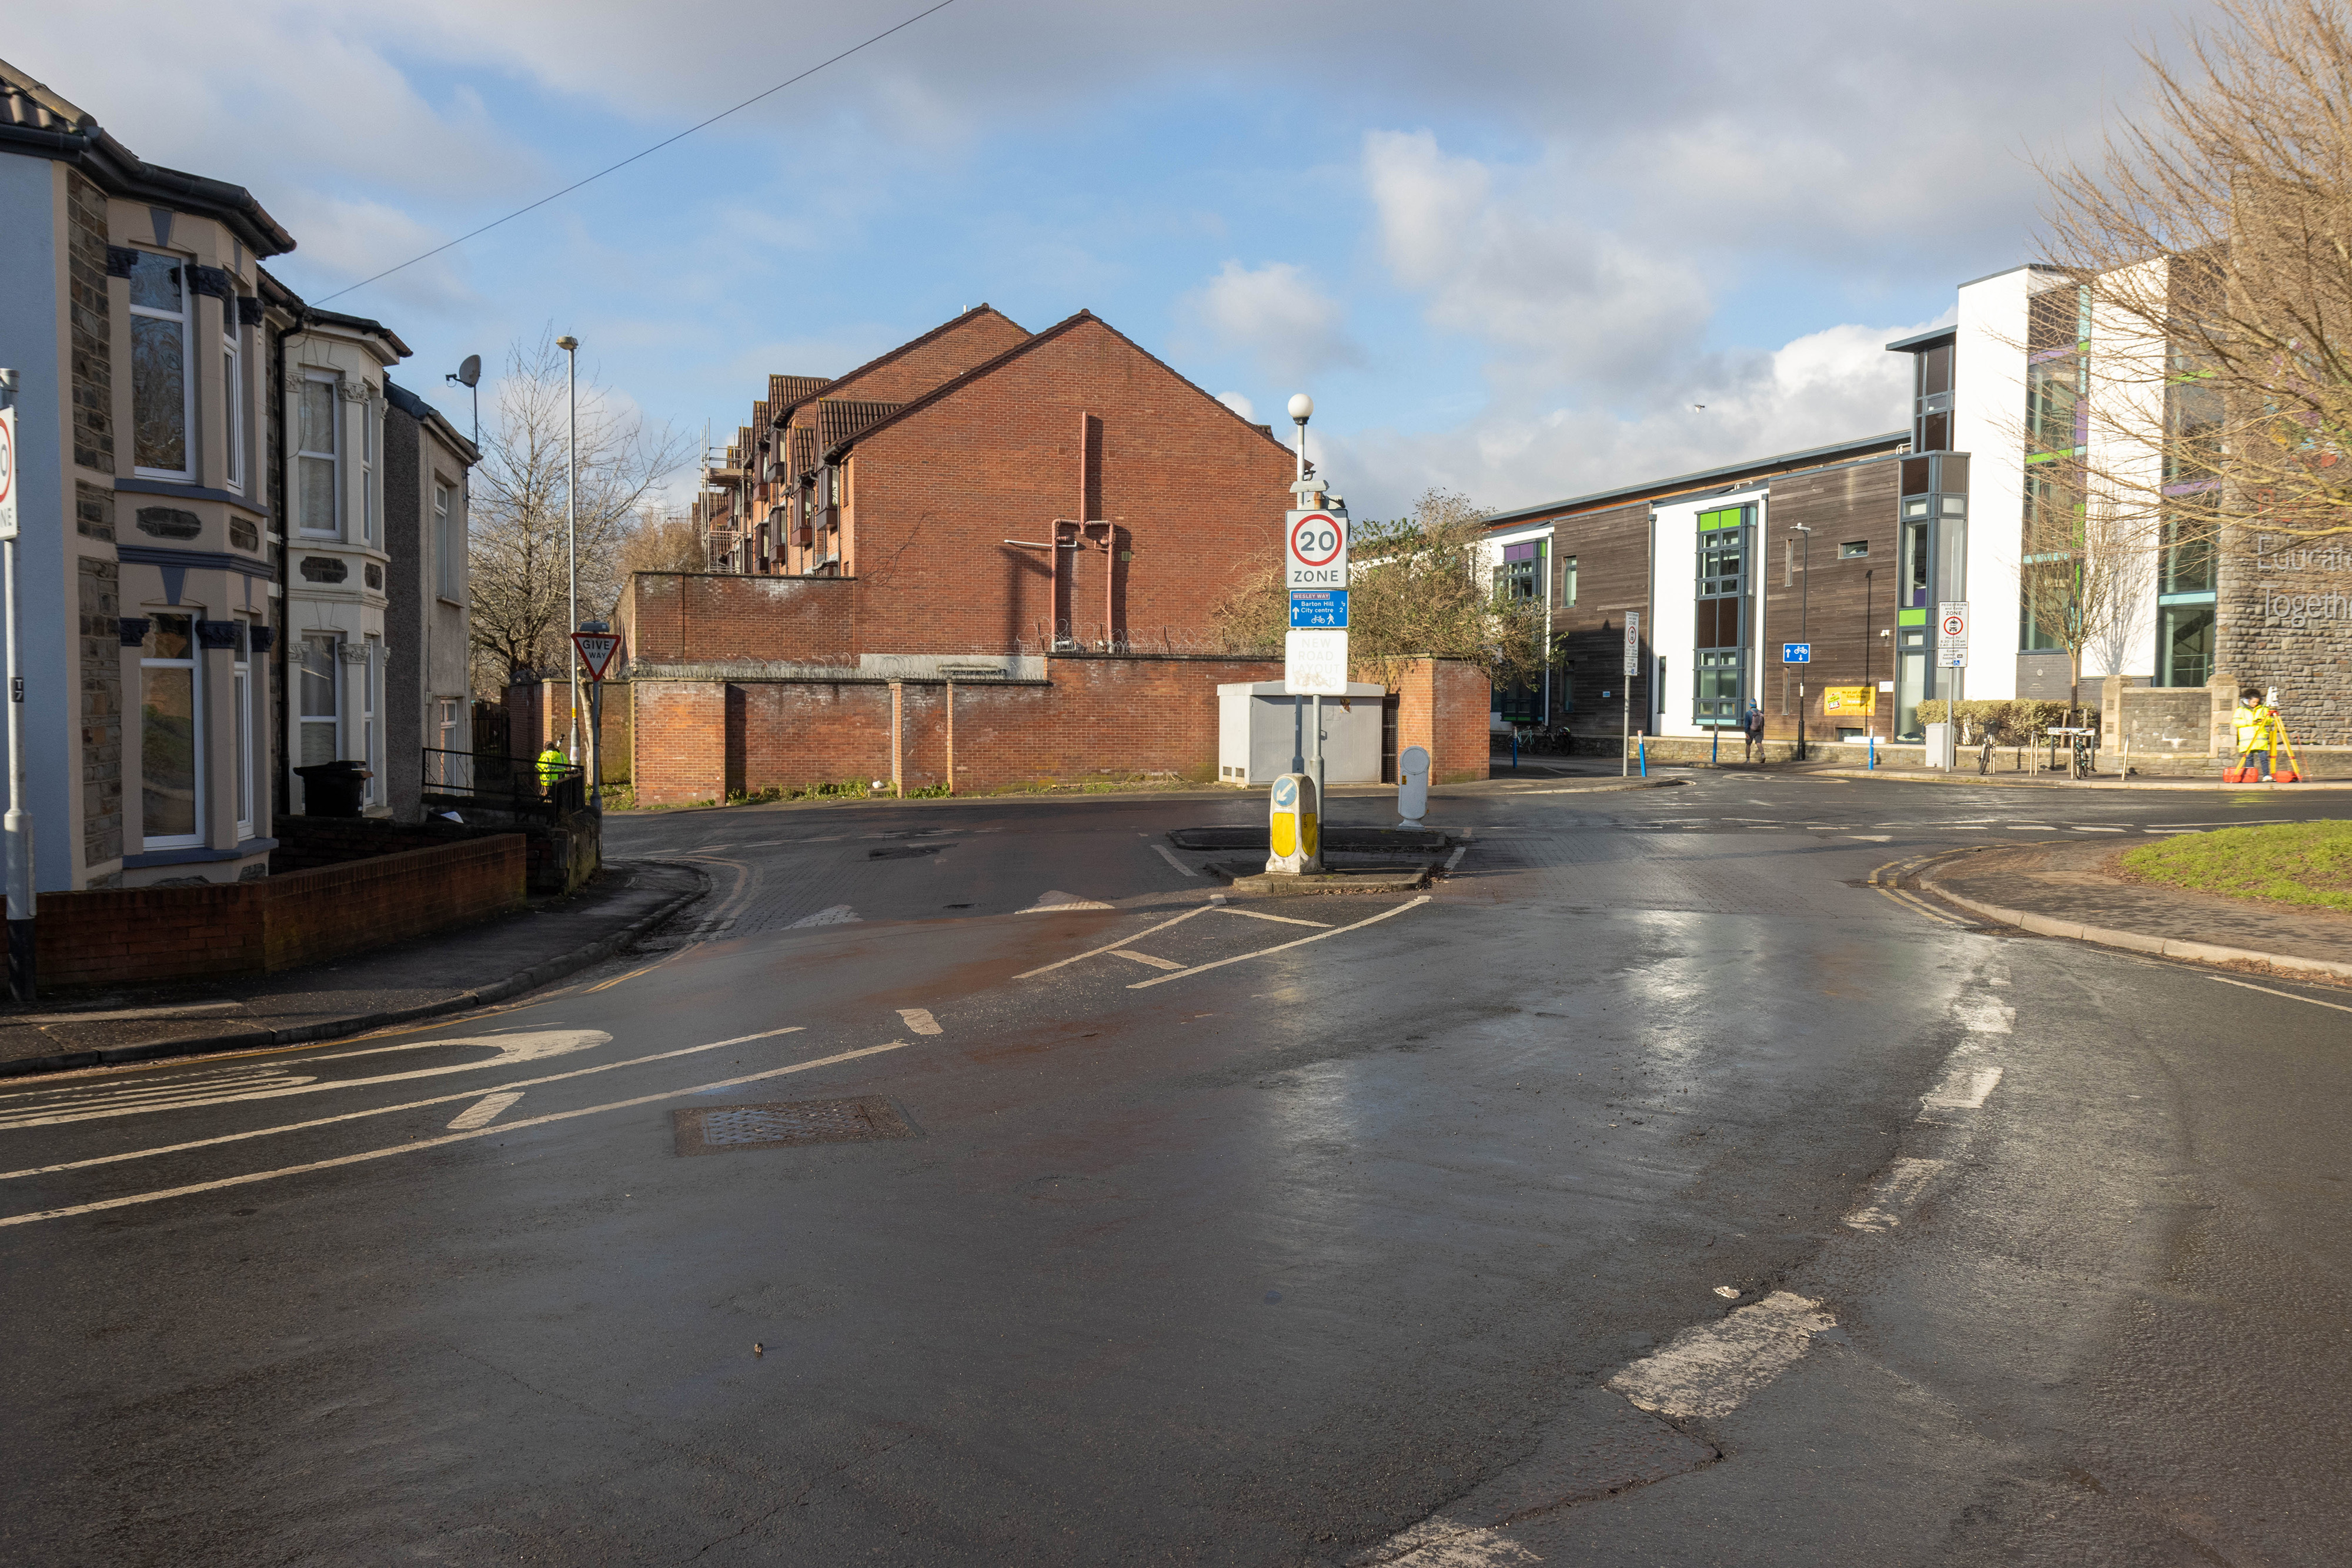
(551, 766)
(1751, 726)
(2258, 733)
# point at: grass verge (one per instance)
(2289, 863)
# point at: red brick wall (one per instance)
(683, 618)
(1196, 495)
(1442, 705)
(680, 741)
(136, 935)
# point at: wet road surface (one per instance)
(1652, 1189)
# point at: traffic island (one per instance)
(1293, 884)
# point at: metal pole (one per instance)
(18, 826)
(596, 746)
(571, 346)
(1805, 635)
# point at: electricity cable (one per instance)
(633, 157)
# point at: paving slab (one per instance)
(415, 979)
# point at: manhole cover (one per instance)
(718, 1128)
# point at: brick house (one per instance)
(999, 547)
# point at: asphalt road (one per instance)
(1654, 1190)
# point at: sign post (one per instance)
(596, 646)
(1315, 648)
(16, 828)
(1952, 654)
(1632, 662)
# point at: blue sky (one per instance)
(1505, 245)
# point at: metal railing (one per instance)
(507, 783)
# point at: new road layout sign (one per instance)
(1796, 652)
(8, 472)
(1314, 563)
(1632, 641)
(1952, 633)
(596, 651)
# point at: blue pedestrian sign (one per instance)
(1796, 652)
(1318, 609)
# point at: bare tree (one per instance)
(520, 579)
(2084, 575)
(659, 541)
(2211, 237)
(1419, 587)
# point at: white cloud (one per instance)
(1276, 314)
(1239, 404)
(1498, 260)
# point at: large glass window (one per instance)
(2193, 425)
(448, 544)
(2056, 412)
(1720, 637)
(159, 394)
(2189, 561)
(2184, 644)
(319, 461)
(322, 704)
(1567, 581)
(1519, 576)
(171, 737)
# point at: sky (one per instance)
(1510, 248)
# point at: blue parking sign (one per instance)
(1796, 652)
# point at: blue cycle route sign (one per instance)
(1320, 609)
(1796, 652)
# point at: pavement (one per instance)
(423, 977)
(2074, 889)
(965, 1184)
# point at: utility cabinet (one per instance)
(1261, 727)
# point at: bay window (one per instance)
(318, 460)
(161, 396)
(171, 737)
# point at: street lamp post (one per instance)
(17, 827)
(1805, 635)
(1302, 409)
(571, 346)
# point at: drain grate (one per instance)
(720, 1128)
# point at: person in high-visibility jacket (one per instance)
(551, 767)
(2259, 735)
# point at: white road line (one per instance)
(1109, 946)
(1280, 946)
(1965, 1090)
(1054, 901)
(484, 1111)
(1164, 852)
(1285, 919)
(1985, 1015)
(839, 915)
(380, 1110)
(1433, 1543)
(513, 1051)
(420, 1145)
(919, 1019)
(1144, 958)
(1871, 838)
(2085, 828)
(1895, 1193)
(2290, 996)
(1709, 1371)
(1456, 858)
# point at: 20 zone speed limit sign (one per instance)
(1317, 550)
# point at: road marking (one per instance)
(1456, 858)
(1145, 958)
(420, 1145)
(1985, 1015)
(2290, 996)
(88, 1103)
(1285, 919)
(1709, 1371)
(1054, 901)
(607, 985)
(380, 1111)
(1109, 946)
(839, 915)
(1164, 852)
(2085, 828)
(1433, 1543)
(484, 1111)
(1965, 1090)
(1280, 946)
(1895, 1192)
(919, 1020)
(1871, 838)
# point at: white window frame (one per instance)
(332, 722)
(188, 373)
(240, 675)
(371, 718)
(449, 543)
(194, 664)
(232, 400)
(302, 522)
(367, 417)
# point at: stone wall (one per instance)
(2284, 620)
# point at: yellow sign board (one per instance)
(1849, 699)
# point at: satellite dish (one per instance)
(470, 372)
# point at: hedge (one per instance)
(2012, 723)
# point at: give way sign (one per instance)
(596, 651)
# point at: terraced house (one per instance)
(182, 418)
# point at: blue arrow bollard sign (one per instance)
(1796, 652)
